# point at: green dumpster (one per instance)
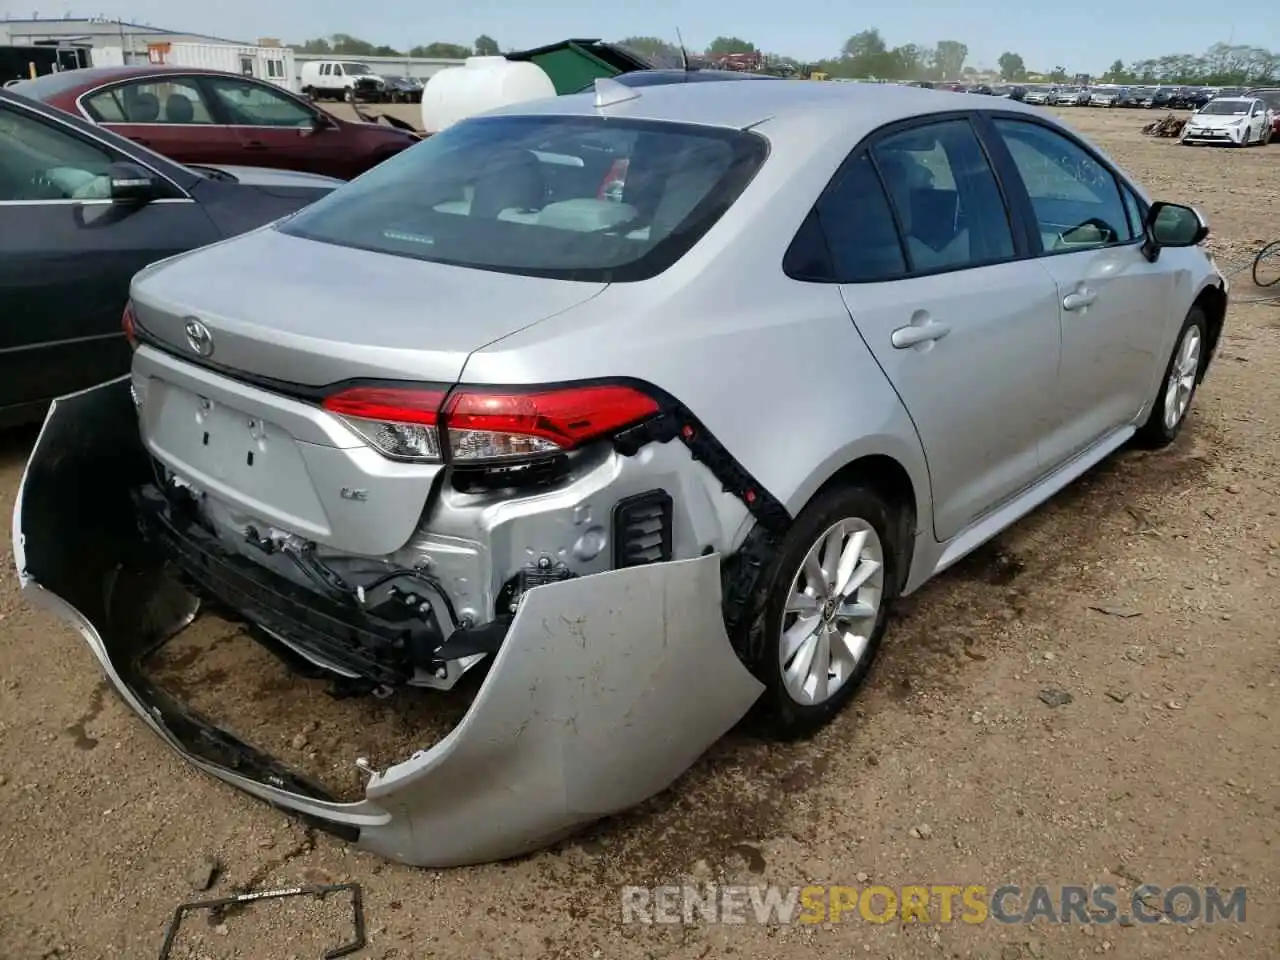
(574, 65)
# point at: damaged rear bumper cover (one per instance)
(605, 690)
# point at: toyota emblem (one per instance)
(199, 338)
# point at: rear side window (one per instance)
(172, 100)
(859, 227)
(574, 198)
(946, 197)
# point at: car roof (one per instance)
(645, 78)
(77, 81)
(848, 108)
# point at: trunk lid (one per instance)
(285, 309)
(313, 313)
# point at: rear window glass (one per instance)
(574, 198)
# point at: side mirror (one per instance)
(131, 184)
(319, 123)
(1172, 225)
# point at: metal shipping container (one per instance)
(273, 64)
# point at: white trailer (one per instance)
(273, 64)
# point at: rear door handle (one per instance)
(1082, 298)
(141, 140)
(256, 145)
(916, 334)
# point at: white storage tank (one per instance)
(480, 84)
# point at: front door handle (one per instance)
(1082, 298)
(141, 140)
(916, 334)
(256, 145)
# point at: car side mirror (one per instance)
(1172, 225)
(319, 123)
(131, 184)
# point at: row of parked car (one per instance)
(1169, 98)
(352, 81)
(1112, 95)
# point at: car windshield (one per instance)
(1227, 108)
(356, 69)
(574, 198)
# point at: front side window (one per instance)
(41, 161)
(257, 105)
(356, 70)
(1076, 199)
(171, 100)
(946, 197)
(574, 198)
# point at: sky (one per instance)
(1082, 35)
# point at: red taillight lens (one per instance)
(487, 425)
(129, 324)
(399, 422)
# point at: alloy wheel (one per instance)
(831, 612)
(1182, 377)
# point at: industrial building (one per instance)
(134, 38)
(42, 45)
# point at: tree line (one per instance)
(866, 55)
(345, 45)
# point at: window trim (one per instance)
(1009, 170)
(1022, 248)
(183, 194)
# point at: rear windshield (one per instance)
(574, 198)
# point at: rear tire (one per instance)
(813, 643)
(1178, 386)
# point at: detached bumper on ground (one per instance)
(606, 689)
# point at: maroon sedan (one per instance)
(206, 116)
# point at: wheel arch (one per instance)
(1212, 300)
(905, 491)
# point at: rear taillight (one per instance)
(129, 324)
(487, 425)
(400, 423)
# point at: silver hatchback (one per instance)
(647, 404)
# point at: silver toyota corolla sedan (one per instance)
(645, 404)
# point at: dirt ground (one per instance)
(1149, 592)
